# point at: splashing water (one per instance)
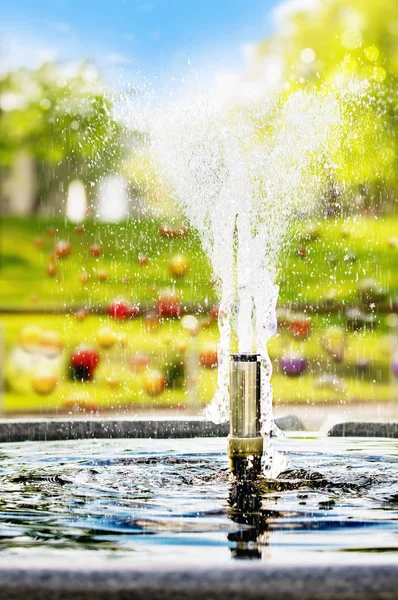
(242, 177)
(241, 192)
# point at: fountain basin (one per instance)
(163, 518)
(19, 430)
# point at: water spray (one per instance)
(245, 442)
(242, 190)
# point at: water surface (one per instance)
(175, 500)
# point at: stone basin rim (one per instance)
(77, 428)
(332, 581)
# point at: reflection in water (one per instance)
(246, 509)
(170, 500)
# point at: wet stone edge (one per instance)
(20, 430)
(291, 582)
(365, 429)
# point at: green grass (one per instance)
(167, 343)
(23, 273)
(311, 278)
(24, 266)
(164, 345)
(376, 385)
(303, 280)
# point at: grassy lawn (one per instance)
(327, 267)
(343, 253)
(24, 265)
(346, 252)
(351, 384)
(116, 386)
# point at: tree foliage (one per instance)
(63, 120)
(348, 48)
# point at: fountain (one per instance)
(245, 443)
(127, 508)
(242, 192)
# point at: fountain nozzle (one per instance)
(245, 442)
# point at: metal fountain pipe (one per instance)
(245, 442)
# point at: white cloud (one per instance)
(248, 52)
(284, 11)
(259, 76)
(22, 49)
(18, 51)
(114, 58)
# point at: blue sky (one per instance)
(155, 37)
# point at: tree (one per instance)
(62, 120)
(348, 48)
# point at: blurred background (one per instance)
(107, 302)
